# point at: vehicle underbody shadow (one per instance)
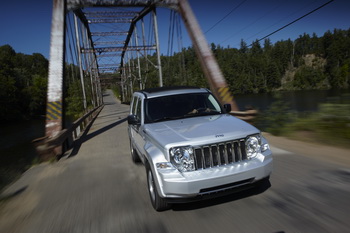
(259, 188)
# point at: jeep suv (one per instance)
(191, 147)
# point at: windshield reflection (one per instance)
(180, 106)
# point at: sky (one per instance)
(25, 25)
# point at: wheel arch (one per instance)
(153, 156)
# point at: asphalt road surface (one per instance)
(99, 189)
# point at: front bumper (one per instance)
(174, 184)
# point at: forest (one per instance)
(23, 84)
(309, 62)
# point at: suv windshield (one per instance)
(180, 106)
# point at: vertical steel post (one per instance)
(85, 58)
(96, 80)
(54, 108)
(138, 58)
(89, 63)
(79, 59)
(122, 80)
(130, 76)
(145, 52)
(155, 24)
(132, 64)
(205, 55)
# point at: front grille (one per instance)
(220, 154)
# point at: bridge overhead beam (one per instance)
(117, 49)
(142, 14)
(108, 55)
(107, 65)
(108, 42)
(108, 68)
(121, 20)
(112, 14)
(77, 4)
(109, 33)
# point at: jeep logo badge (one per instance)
(219, 135)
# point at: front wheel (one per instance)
(158, 203)
(134, 156)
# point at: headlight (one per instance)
(253, 145)
(182, 158)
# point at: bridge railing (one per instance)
(55, 147)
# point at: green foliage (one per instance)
(74, 100)
(276, 118)
(23, 83)
(307, 78)
(329, 125)
(116, 91)
(333, 121)
(258, 69)
(254, 69)
(37, 94)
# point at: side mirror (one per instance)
(133, 120)
(227, 108)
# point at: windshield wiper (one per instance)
(203, 113)
(188, 115)
(166, 118)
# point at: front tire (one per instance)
(158, 203)
(134, 156)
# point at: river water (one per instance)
(17, 151)
(296, 101)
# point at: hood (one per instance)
(199, 130)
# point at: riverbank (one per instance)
(320, 151)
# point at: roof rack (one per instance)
(159, 89)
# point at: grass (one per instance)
(330, 125)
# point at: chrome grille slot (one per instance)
(243, 151)
(198, 156)
(229, 152)
(222, 155)
(237, 151)
(219, 154)
(207, 158)
(214, 155)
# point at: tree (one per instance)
(308, 78)
(23, 81)
(243, 47)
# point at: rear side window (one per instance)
(138, 108)
(133, 106)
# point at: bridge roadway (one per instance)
(99, 189)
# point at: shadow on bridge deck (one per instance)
(106, 120)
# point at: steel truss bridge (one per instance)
(91, 39)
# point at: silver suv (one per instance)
(191, 147)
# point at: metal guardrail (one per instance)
(47, 147)
(247, 115)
